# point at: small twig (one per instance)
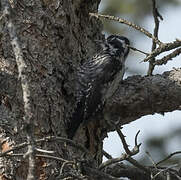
(64, 164)
(122, 137)
(138, 165)
(136, 139)
(107, 155)
(163, 48)
(178, 177)
(120, 20)
(151, 159)
(168, 157)
(114, 160)
(45, 139)
(135, 150)
(44, 156)
(135, 49)
(19, 146)
(155, 51)
(156, 14)
(44, 151)
(175, 165)
(55, 158)
(167, 58)
(124, 156)
(68, 141)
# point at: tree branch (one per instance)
(123, 21)
(156, 16)
(98, 175)
(168, 57)
(138, 96)
(134, 173)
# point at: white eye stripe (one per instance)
(122, 41)
(124, 45)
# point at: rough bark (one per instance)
(138, 96)
(55, 36)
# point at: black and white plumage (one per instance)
(103, 68)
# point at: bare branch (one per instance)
(156, 14)
(61, 139)
(108, 156)
(120, 20)
(138, 165)
(163, 48)
(113, 161)
(19, 146)
(155, 51)
(168, 157)
(151, 159)
(135, 49)
(64, 164)
(44, 151)
(122, 137)
(136, 139)
(167, 58)
(124, 156)
(163, 170)
(133, 152)
(48, 139)
(44, 156)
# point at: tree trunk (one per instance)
(55, 37)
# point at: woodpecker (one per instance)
(105, 67)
